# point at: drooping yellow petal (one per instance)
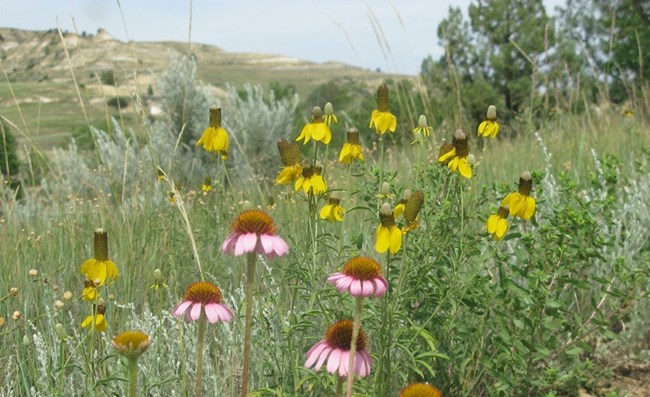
(345, 156)
(305, 134)
(111, 270)
(338, 213)
(491, 225)
(100, 323)
(326, 212)
(447, 156)
(501, 227)
(517, 205)
(529, 208)
(299, 182)
(398, 211)
(285, 177)
(318, 184)
(464, 168)
(395, 239)
(382, 239)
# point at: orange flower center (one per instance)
(339, 335)
(254, 221)
(420, 390)
(362, 268)
(203, 292)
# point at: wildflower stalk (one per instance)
(199, 354)
(353, 344)
(250, 280)
(339, 386)
(381, 160)
(133, 376)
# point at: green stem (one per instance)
(339, 386)
(381, 160)
(353, 344)
(199, 354)
(133, 376)
(250, 282)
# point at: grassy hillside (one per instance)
(38, 77)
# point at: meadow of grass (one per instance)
(530, 315)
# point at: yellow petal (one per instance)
(345, 156)
(502, 226)
(491, 225)
(529, 208)
(383, 239)
(111, 270)
(517, 204)
(464, 168)
(482, 127)
(448, 155)
(87, 322)
(395, 239)
(285, 176)
(338, 213)
(325, 212)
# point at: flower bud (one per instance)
(491, 113)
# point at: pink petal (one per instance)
(334, 361)
(239, 245)
(180, 309)
(345, 361)
(367, 288)
(344, 283)
(228, 244)
(381, 287)
(211, 312)
(365, 361)
(250, 241)
(279, 245)
(335, 276)
(323, 356)
(355, 288)
(267, 243)
(314, 353)
(195, 313)
(225, 314)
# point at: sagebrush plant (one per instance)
(522, 316)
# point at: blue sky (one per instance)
(326, 30)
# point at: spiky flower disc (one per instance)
(420, 390)
(254, 221)
(203, 292)
(131, 344)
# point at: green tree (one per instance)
(513, 36)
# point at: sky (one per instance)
(327, 30)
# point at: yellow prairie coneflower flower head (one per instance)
(520, 203)
(207, 184)
(399, 208)
(333, 211)
(388, 235)
(215, 137)
(381, 118)
(422, 130)
(131, 344)
(290, 156)
(311, 180)
(330, 117)
(97, 320)
(412, 210)
(351, 150)
(316, 129)
(384, 191)
(497, 224)
(100, 268)
(420, 390)
(456, 158)
(489, 127)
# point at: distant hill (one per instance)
(40, 75)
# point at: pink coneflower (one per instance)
(204, 297)
(254, 231)
(361, 276)
(335, 348)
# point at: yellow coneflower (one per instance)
(311, 180)
(399, 208)
(330, 117)
(333, 211)
(97, 320)
(290, 156)
(456, 158)
(207, 184)
(382, 118)
(422, 130)
(215, 137)
(90, 292)
(316, 129)
(489, 127)
(497, 224)
(351, 150)
(384, 191)
(388, 235)
(100, 268)
(520, 203)
(412, 210)
(158, 280)
(131, 344)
